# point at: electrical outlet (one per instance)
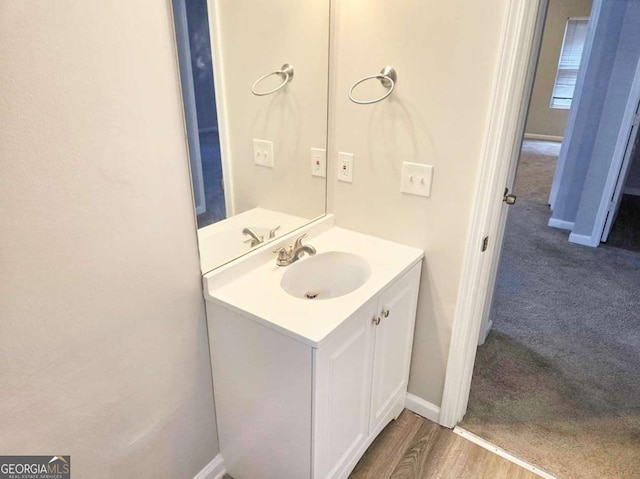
(263, 153)
(416, 179)
(345, 167)
(319, 162)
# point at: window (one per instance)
(575, 35)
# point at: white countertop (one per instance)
(257, 294)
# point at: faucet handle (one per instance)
(272, 233)
(298, 242)
(283, 255)
(282, 252)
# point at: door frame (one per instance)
(220, 86)
(189, 101)
(503, 136)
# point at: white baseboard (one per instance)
(214, 470)
(561, 224)
(584, 240)
(629, 190)
(422, 407)
(501, 452)
(535, 136)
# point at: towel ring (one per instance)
(387, 76)
(287, 73)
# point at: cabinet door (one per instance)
(392, 350)
(342, 394)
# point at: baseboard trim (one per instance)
(535, 136)
(422, 407)
(561, 224)
(501, 452)
(214, 470)
(584, 240)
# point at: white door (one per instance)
(342, 394)
(632, 144)
(516, 148)
(392, 349)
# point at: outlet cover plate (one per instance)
(319, 162)
(345, 167)
(263, 152)
(416, 179)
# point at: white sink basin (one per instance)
(326, 275)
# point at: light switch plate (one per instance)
(263, 152)
(416, 179)
(345, 167)
(319, 162)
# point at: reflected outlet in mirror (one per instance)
(255, 85)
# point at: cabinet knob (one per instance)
(385, 313)
(376, 320)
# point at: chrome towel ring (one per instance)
(387, 76)
(287, 75)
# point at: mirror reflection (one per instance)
(254, 80)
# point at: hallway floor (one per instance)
(557, 383)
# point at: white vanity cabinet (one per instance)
(361, 375)
(288, 409)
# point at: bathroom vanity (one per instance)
(310, 361)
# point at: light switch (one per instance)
(319, 162)
(263, 153)
(345, 167)
(416, 179)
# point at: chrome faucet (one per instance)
(255, 238)
(286, 256)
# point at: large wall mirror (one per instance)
(254, 77)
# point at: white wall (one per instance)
(600, 108)
(576, 154)
(258, 38)
(446, 55)
(542, 119)
(622, 74)
(103, 345)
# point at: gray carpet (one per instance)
(557, 383)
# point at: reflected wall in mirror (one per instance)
(258, 161)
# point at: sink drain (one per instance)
(312, 294)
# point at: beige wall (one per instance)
(103, 345)
(541, 119)
(256, 38)
(436, 116)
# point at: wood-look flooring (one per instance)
(413, 447)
